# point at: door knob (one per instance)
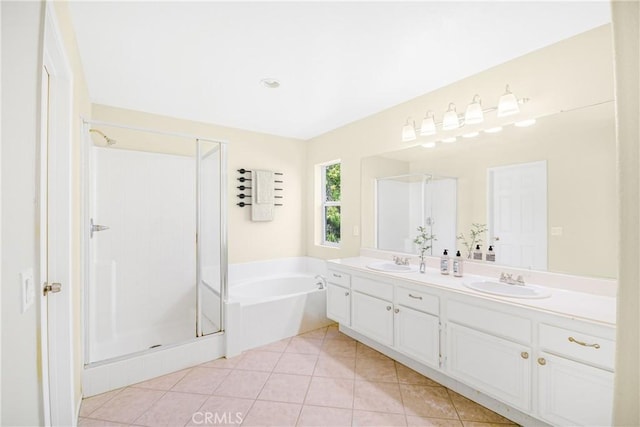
(51, 287)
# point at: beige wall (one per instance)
(547, 76)
(626, 23)
(248, 240)
(22, 32)
(579, 148)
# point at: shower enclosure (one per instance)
(155, 244)
(405, 202)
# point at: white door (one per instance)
(58, 361)
(492, 365)
(372, 317)
(418, 335)
(518, 214)
(574, 394)
(338, 304)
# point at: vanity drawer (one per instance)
(490, 320)
(418, 300)
(339, 278)
(577, 345)
(373, 288)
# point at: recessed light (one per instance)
(471, 135)
(494, 130)
(449, 140)
(429, 144)
(525, 123)
(270, 83)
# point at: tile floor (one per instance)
(321, 378)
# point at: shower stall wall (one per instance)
(156, 241)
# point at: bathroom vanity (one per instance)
(547, 360)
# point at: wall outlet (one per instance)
(28, 288)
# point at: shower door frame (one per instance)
(87, 168)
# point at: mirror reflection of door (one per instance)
(517, 203)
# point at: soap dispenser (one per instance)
(457, 265)
(477, 254)
(444, 262)
(491, 255)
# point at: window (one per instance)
(331, 204)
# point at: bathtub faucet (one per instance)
(322, 281)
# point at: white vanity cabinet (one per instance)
(575, 377)
(527, 363)
(372, 309)
(490, 351)
(339, 297)
(417, 325)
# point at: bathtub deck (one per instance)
(318, 378)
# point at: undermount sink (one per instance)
(391, 267)
(507, 290)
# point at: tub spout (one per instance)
(322, 281)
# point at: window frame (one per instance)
(329, 203)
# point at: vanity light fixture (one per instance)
(449, 140)
(525, 123)
(451, 120)
(474, 114)
(494, 130)
(429, 144)
(470, 134)
(409, 131)
(508, 104)
(428, 124)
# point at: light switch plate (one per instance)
(556, 231)
(356, 230)
(28, 289)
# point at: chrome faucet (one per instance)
(508, 279)
(321, 281)
(400, 261)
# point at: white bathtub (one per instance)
(273, 300)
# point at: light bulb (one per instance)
(474, 114)
(450, 120)
(508, 104)
(408, 132)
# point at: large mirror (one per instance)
(547, 193)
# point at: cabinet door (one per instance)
(495, 366)
(372, 317)
(417, 335)
(338, 304)
(572, 393)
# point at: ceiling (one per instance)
(336, 61)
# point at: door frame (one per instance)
(56, 237)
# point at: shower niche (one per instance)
(155, 243)
(406, 202)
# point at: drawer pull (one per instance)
(388, 308)
(584, 344)
(541, 361)
(339, 276)
(346, 294)
(415, 297)
(397, 310)
(524, 355)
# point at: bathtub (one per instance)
(272, 300)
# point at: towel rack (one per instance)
(246, 190)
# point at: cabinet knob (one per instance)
(397, 310)
(388, 308)
(524, 355)
(541, 361)
(346, 294)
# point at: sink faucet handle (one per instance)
(520, 280)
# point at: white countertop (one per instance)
(579, 305)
